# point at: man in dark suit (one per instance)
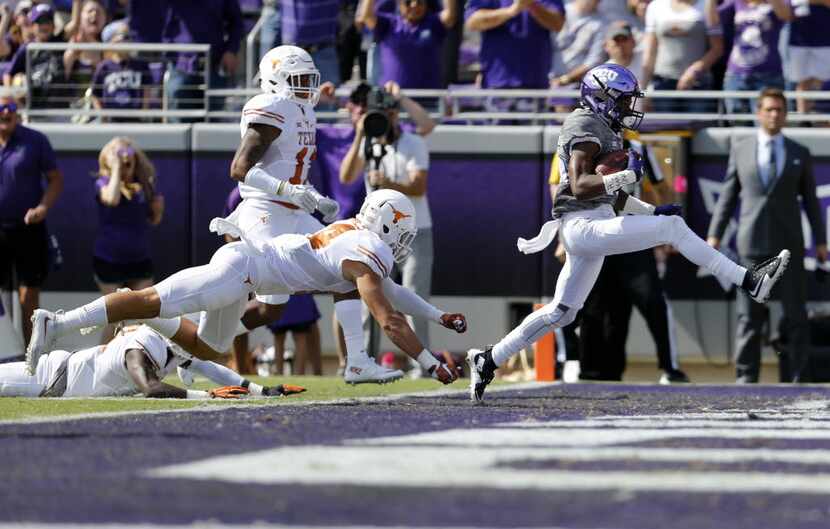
(769, 172)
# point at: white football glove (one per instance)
(185, 376)
(300, 195)
(328, 207)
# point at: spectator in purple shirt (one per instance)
(809, 64)
(120, 81)
(516, 49)
(312, 25)
(26, 162)
(754, 61)
(214, 22)
(128, 204)
(410, 41)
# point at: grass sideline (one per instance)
(319, 388)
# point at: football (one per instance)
(612, 162)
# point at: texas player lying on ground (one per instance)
(356, 254)
(135, 361)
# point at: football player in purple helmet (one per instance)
(611, 92)
(585, 213)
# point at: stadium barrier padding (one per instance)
(487, 186)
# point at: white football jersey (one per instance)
(312, 263)
(102, 371)
(290, 155)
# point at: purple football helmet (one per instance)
(610, 91)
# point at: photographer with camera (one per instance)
(390, 157)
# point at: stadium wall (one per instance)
(487, 186)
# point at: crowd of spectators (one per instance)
(522, 44)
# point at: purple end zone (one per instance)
(92, 470)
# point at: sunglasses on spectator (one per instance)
(10, 107)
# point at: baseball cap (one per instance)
(40, 12)
(619, 28)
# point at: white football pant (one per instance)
(588, 236)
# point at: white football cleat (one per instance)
(43, 337)
(764, 275)
(480, 374)
(366, 371)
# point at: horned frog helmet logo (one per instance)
(604, 75)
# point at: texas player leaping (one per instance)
(355, 254)
(584, 214)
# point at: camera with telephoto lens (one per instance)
(376, 122)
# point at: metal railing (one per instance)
(466, 105)
(162, 55)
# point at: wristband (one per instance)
(196, 394)
(615, 181)
(427, 361)
(261, 180)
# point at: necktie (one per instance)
(772, 167)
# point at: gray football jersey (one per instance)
(582, 126)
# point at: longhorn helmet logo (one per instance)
(399, 215)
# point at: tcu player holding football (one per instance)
(135, 361)
(279, 143)
(355, 254)
(584, 211)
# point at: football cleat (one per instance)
(764, 275)
(366, 371)
(674, 376)
(43, 337)
(480, 373)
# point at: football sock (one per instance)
(700, 253)
(534, 326)
(92, 314)
(349, 314)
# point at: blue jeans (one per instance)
(681, 104)
(752, 81)
(183, 92)
(325, 59)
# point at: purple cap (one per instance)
(41, 11)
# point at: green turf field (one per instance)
(319, 388)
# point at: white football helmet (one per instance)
(391, 216)
(289, 71)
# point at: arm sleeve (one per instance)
(651, 17)
(810, 200)
(409, 302)
(419, 160)
(728, 198)
(216, 373)
(260, 110)
(48, 161)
